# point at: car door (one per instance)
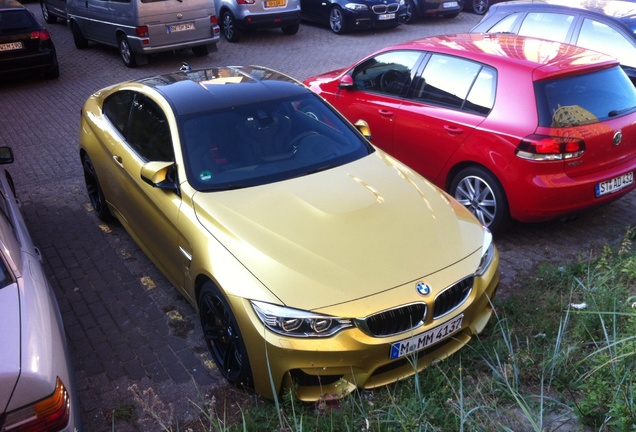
(450, 98)
(380, 84)
(149, 213)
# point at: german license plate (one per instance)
(386, 17)
(615, 184)
(451, 4)
(431, 337)
(275, 3)
(180, 27)
(11, 46)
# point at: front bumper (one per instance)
(335, 366)
(371, 20)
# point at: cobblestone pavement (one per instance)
(126, 325)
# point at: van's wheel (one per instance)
(337, 21)
(228, 26)
(479, 190)
(126, 53)
(50, 19)
(78, 38)
(291, 30)
(223, 337)
(94, 190)
(200, 51)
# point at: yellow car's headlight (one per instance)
(487, 253)
(298, 323)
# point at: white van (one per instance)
(142, 27)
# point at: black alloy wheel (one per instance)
(94, 190)
(223, 337)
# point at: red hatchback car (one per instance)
(512, 127)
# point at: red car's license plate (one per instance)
(615, 184)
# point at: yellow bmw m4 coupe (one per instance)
(316, 262)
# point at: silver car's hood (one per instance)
(10, 342)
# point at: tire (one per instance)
(479, 190)
(291, 30)
(479, 7)
(223, 336)
(229, 28)
(126, 53)
(94, 190)
(200, 51)
(78, 38)
(48, 18)
(337, 21)
(411, 12)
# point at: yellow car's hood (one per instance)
(341, 234)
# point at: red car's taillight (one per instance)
(47, 415)
(142, 31)
(550, 148)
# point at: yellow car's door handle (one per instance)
(118, 160)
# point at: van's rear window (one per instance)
(585, 99)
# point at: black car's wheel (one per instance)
(480, 191)
(229, 28)
(223, 337)
(78, 38)
(480, 7)
(48, 18)
(291, 29)
(95, 194)
(126, 53)
(411, 12)
(200, 51)
(337, 21)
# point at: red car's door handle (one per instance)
(386, 113)
(118, 161)
(453, 130)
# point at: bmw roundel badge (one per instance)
(423, 288)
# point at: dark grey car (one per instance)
(607, 27)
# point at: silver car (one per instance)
(37, 390)
(239, 15)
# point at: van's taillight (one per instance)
(49, 414)
(549, 148)
(214, 20)
(245, 1)
(142, 31)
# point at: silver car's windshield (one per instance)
(264, 142)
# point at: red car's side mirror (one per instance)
(346, 82)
